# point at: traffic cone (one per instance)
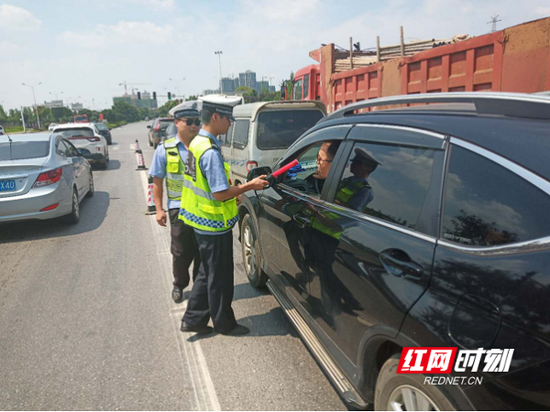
(140, 160)
(151, 208)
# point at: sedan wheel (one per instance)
(74, 216)
(92, 187)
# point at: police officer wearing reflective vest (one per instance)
(169, 163)
(209, 205)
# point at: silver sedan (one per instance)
(42, 176)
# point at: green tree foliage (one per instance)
(126, 112)
(164, 109)
(248, 93)
(190, 98)
(143, 113)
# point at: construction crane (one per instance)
(128, 84)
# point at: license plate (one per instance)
(7, 185)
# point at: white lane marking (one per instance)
(115, 148)
(191, 353)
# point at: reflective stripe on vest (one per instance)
(174, 170)
(199, 208)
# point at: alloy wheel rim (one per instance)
(248, 248)
(76, 205)
(409, 398)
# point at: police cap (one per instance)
(220, 108)
(191, 108)
(363, 156)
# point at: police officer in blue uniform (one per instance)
(209, 205)
(169, 164)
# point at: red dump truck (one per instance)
(516, 59)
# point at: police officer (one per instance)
(209, 205)
(169, 162)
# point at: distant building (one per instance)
(229, 85)
(263, 85)
(77, 106)
(248, 78)
(145, 101)
(210, 91)
(53, 104)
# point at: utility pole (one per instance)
(23, 120)
(219, 53)
(35, 106)
(494, 21)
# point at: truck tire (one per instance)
(251, 253)
(407, 391)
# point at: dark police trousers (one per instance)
(184, 250)
(212, 292)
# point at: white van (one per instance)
(263, 131)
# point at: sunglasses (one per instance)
(196, 121)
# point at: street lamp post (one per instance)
(35, 106)
(219, 53)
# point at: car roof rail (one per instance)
(487, 103)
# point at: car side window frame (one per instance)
(430, 216)
(532, 245)
(60, 148)
(72, 149)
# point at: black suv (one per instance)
(425, 226)
(103, 130)
(157, 131)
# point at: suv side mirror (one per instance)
(258, 171)
(149, 126)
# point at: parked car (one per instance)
(86, 136)
(158, 129)
(430, 230)
(170, 132)
(263, 131)
(104, 131)
(2, 131)
(42, 176)
(52, 126)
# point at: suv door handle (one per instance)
(398, 263)
(302, 221)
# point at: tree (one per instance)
(163, 110)
(126, 112)
(3, 115)
(190, 98)
(110, 115)
(143, 113)
(61, 114)
(248, 93)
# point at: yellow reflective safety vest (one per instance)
(174, 169)
(348, 189)
(199, 208)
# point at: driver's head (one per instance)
(325, 157)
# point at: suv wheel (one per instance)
(407, 392)
(74, 216)
(150, 141)
(251, 253)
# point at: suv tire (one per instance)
(92, 187)
(393, 387)
(251, 253)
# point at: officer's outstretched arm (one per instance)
(255, 184)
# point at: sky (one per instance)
(81, 51)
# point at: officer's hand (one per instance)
(161, 217)
(239, 199)
(258, 183)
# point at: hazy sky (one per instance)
(82, 50)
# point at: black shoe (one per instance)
(238, 330)
(177, 294)
(185, 327)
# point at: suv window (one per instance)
(297, 92)
(306, 86)
(76, 132)
(315, 164)
(487, 204)
(240, 137)
(389, 182)
(279, 129)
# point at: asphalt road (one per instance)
(87, 322)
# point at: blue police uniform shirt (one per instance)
(212, 167)
(158, 166)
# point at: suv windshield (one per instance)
(278, 130)
(80, 132)
(24, 150)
